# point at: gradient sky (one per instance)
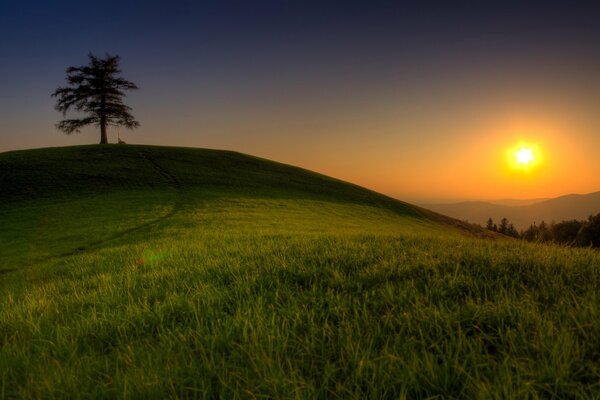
(417, 100)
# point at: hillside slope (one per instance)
(56, 172)
(52, 197)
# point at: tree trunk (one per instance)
(103, 137)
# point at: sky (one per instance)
(422, 101)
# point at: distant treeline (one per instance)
(572, 233)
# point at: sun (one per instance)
(524, 156)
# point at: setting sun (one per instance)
(524, 156)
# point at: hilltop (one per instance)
(159, 272)
(72, 188)
(97, 168)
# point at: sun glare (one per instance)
(524, 156)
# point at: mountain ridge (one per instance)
(566, 207)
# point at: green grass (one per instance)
(153, 272)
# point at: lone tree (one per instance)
(96, 91)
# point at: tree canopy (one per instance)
(570, 233)
(96, 91)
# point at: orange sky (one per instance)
(439, 148)
(422, 146)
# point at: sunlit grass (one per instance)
(305, 315)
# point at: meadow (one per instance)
(157, 272)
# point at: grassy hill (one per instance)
(153, 272)
(60, 201)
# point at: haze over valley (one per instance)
(523, 213)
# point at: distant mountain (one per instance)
(517, 202)
(523, 213)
